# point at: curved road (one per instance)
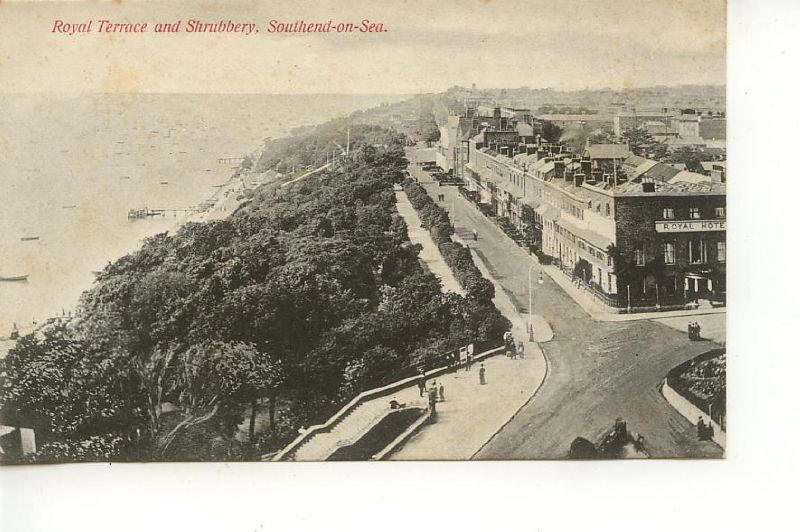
(598, 370)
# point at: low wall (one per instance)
(691, 412)
(368, 395)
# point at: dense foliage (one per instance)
(306, 296)
(458, 258)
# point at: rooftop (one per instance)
(608, 151)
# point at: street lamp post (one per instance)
(629, 299)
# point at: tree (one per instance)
(583, 270)
(688, 156)
(550, 131)
(210, 375)
(66, 390)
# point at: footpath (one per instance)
(430, 254)
(472, 413)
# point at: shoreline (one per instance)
(221, 208)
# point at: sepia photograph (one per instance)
(363, 231)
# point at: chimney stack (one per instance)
(559, 168)
(568, 177)
(579, 179)
(648, 186)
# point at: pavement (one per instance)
(430, 254)
(712, 326)
(597, 370)
(472, 413)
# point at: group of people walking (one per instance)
(513, 349)
(694, 330)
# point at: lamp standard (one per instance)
(629, 299)
(530, 300)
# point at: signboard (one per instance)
(689, 226)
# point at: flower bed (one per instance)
(379, 436)
(702, 381)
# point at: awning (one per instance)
(700, 276)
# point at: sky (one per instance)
(428, 46)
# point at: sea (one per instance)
(72, 166)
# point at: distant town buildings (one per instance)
(679, 128)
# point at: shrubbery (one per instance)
(458, 258)
(304, 297)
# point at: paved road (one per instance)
(598, 370)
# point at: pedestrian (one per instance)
(521, 349)
(701, 428)
(474, 235)
(441, 391)
(432, 393)
(482, 374)
(468, 364)
(421, 383)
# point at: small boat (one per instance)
(14, 278)
(29, 238)
(124, 177)
(68, 206)
(164, 183)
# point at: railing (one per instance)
(368, 395)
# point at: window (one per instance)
(694, 213)
(608, 209)
(720, 212)
(610, 262)
(721, 251)
(669, 214)
(697, 251)
(639, 256)
(669, 253)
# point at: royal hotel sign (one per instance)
(689, 226)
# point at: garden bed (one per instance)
(702, 382)
(379, 436)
